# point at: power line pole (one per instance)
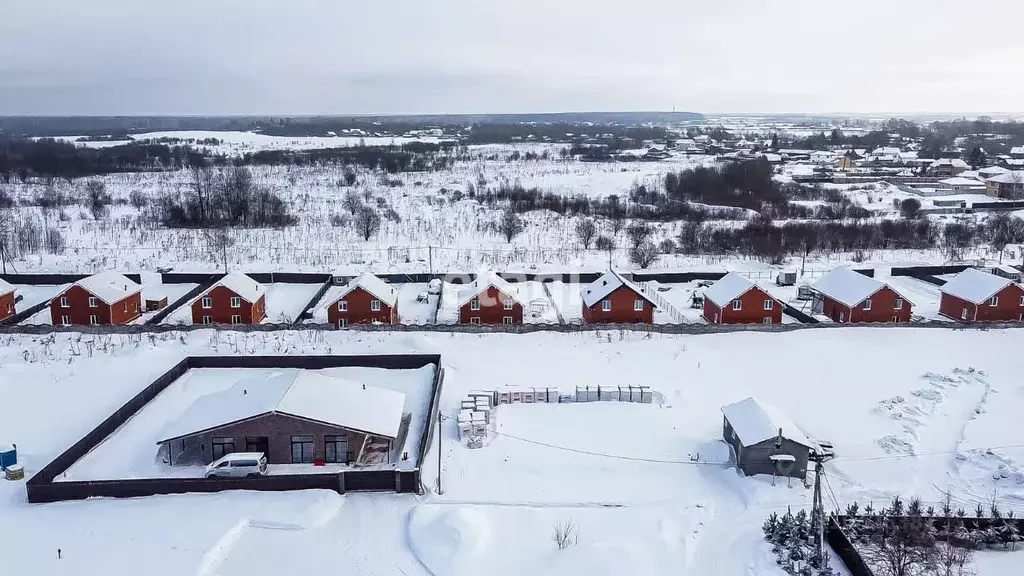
(818, 508)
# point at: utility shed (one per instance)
(765, 440)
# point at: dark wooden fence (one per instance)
(845, 549)
(42, 486)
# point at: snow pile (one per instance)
(450, 540)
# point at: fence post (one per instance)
(341, 482)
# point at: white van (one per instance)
(238, 465)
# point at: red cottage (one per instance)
(736, 300)
(976, 296)
(366, 300)
(6, 300)
(234, 299)
(611, 299)
(101, 299)
(490, 300)
(847, 296)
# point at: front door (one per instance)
(258, 444)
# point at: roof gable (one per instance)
(243, 286)
(609, 282)
(374, 286)
(729, 288)
(849, 287)
(5, 287)
(110, 287)
(974, 286)
(485, 280)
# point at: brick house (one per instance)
(490, 300)
(1009, 185)
(234, 299)
(366, 300)
(7, 300)
(101, 299)
(847, 296)
(292, 416)
(976, 296)
(612, 299)
(736, 300)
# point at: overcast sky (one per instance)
(129, 57)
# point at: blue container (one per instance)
(8, 456)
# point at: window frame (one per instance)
(474, 304)
(342, 305)
(507, 320)
(220, 442)
(507, 303)
(737, 304)
(236, 302)
(474, 320)
(374, 305)
(302, 443)
(342, 323)
(236, 318)
(638, 305)
(65, 320)
(94, 302)
(331, 444)
(94, 320)
(897, 304)
(867, 304)
(767, 320)
(207, 320)
(769, 304)
(606, 305)
(64, 302)
(993, 301)
(207, 302)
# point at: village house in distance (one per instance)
(734, 299)
(366, 300)
(98, 300)
(490, 300)
(612, 299)
(234, 299)
(847, 296)
(977, 296)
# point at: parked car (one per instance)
(238, 465)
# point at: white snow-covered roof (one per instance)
(960, 181)
(375, 286)
(5, 288)
(954, 162)
(728, 288)
(849, 287)
(754, 422)
(1008, 177)
(608, 282)
(992, 170)
(298, 393)
(246, 288)
(484, 280)
(1017, 150)
(109, 287)
(973, 285)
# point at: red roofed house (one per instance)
(976, 296)
(6, 300)
(366, 300)
(234, 299)
(851, 297)
(490, 300)
(736, 300)
(615, 300)
(101, 299)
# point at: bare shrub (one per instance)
(55, 243)
(367, 221)
(644, 254)
(97, 199)
(565, 535)
(138, 200)
(604, 243)
(585, 231)
(510, 224)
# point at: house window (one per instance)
(302, 449)
(474, 304)
(92, 302)
(766, 320)
(737, 305)
(336, 449)
(896, 319)
(898, 304)
(606, 305)
(993, 301)
(342, 305)
(222, 447)
(508, 303)
(342, 323)
(963, 314)
(236, 319)
(207, 302)
(207, 320)
(93, 319)
(867, 304)
(65, 320)
(769, 304)
(474, 320)
(375, 305)
(1022, 300)
(638, 305)
(506, 320)
(236, 302)
(125, 305)
(64, 302)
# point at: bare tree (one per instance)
(510, 224)
(956, 239)
(644, 254)
(97, 198)
(352, 202)
(367, 221)
(910, 208)
(219, 241)
(638, 233)
(604, 243)
(55, 243)
(203, 180)
(565, 535)
(586, 230)
(1003, 229)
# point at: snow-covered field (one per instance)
(649, 486)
